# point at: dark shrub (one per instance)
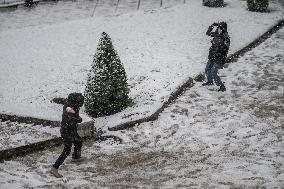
(257, 5)
(106, 89)
(213, 3)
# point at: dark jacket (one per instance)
(70, 120)
(220, 45)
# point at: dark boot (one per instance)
(207, 83)
(222, 88)
(55, 173)
(78, 160)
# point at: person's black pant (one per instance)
(68, 141)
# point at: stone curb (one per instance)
(29, 120)
(154, 116)
(20, 151)
(8, 154)
(86, 130)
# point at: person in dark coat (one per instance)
(68, 131)
(217, 53)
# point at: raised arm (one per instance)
(227, 41)
(210, 28)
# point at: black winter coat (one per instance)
(69, 122)
(220, 45)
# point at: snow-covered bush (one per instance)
(106, 89)
(213, 3)
(28, 3)
(257, 5)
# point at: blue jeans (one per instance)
(211, 72)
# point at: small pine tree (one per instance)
(106, 89)
(213, 3)
(257, 5)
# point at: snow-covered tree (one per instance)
(257, 5)
(106, 89)
(213, 3)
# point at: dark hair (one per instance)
(75, 100)
(223, 26)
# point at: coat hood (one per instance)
(75, 100)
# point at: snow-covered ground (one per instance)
(205, 139)
(13, 134)
(61, 11)
(160, 49)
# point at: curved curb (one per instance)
(189, 83)
(154, 116)
(86, 130)
(20, 151)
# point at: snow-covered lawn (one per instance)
(13, 134)
(47, 12)
(205, 139)
(160, 49)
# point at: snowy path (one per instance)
(13, 134)
(205, 139)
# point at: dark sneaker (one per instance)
(222, 88)
(207, 83)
